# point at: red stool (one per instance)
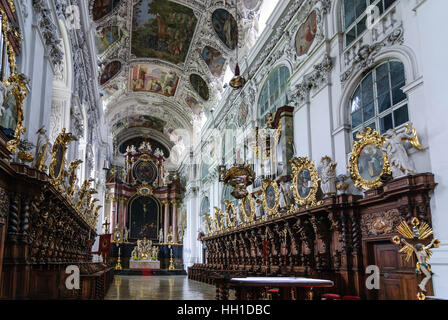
(273, 294)
(351, 298)
(331, 296)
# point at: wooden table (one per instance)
(251, 288)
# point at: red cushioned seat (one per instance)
(331, 296)
(351, 298)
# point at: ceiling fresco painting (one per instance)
(251, 4)
(106, 37)
(152, 78)
(306, 34)
(200, 86)
(225, 27)
(102, 8)
(214, 60)
(194, 105)
(144, 121)
(110, 71)
(163, 30)
(112, 89)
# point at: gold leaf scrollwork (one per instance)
(300, 165)
(368, 138)
(247, 217)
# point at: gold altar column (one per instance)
(174, 215)
(166, 220)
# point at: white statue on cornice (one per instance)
(158, 153)
(398, 156)
(327, 174)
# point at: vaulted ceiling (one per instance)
(163, 62)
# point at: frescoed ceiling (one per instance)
(163, 62)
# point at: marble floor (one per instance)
(159, 288)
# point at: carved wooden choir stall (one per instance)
(315, 224)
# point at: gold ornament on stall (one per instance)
(231, 219)
(208, 224)
(368, 163)
(414, 141)
(74, 165)
(415, 241)
(247, 209)
(271, 197)
(145, 190)
(57, 165)
(219, 220)
(305, 182)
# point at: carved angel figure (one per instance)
(399, 160)
(327, 174)
(4, 90)
(42, 148)
(158, 153)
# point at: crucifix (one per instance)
(106, 226)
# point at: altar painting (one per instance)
(144, 218)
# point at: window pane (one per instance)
(350, 36)
(349, 12)
(382, 71)
(356, 100)
(388, 3)
(401, 115)
(356, 118)
(369, 112)
(360, 7)
(384, 103)
(372, 125)
(396, 73)
(386, 123)
(382, 85)
(361, 26)
(398, 95)
(367, 89)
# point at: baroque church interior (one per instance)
(223, 149)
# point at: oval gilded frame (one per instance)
(247, 217)
(19, 90)
(266, 184)
(231, 221)
(298, 165)
(368, 137)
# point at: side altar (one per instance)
(142, 206)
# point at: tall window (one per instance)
(378, 101)
(355, 16)
(273, 94)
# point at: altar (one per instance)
(144, 264)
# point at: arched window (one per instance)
(354, 16)
(378, 102)
(228, 196)
(273, 94)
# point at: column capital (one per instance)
(165, 202)
(175, 202)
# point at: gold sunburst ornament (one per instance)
(368, 163)
(415, 241)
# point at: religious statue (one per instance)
(42, 148)
(421, 247)
(399, 160)
(144, 250)
(160, 235)
(154, 253)
(125, 234)
(4, 91)
(259, 211)
(327, 174)
(158, 153)
(285, 196)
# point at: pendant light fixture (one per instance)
(237, 81)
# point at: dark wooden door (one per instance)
(398, 280)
